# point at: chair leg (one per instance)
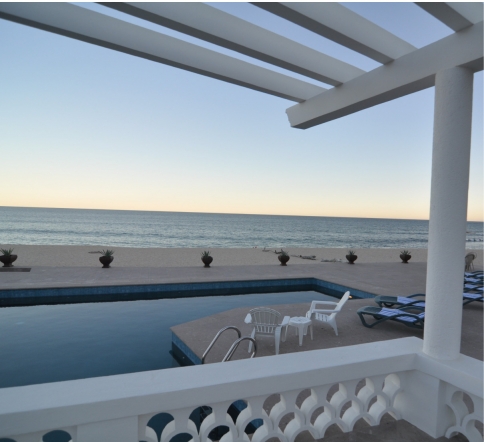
(335, 327)
(250, 342)
(277, 338)
(311, 330)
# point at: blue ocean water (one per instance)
(19, 225)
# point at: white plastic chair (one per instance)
(266, 323)
(327, 315)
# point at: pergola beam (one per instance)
(337, 23)
(410, 73)
(91, 27)
(456, 16)
(217, 27)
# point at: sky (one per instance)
(86, 127)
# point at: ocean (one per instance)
(23, 225)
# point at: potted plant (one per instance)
(351, 256)
(206, 258)
(283, 257)
(405, 256)
(106, 258)
(7, 258)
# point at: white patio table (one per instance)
(301, 324)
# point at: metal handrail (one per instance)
(232, 349)
(216, 337)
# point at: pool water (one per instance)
(51, 343)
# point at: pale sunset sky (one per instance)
(88, 127)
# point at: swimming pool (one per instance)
(51, 343)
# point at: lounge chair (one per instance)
(408, 302)
(475, 276)
(327, 315)
(475, 279)
(473, 287)
(386, 314)
(471, 297)
(266, 323)
(473, 291)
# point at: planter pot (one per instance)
(106, 260)
(405, 258)
(351, 258)
(7, 260)
(283, 259)
(207, 260)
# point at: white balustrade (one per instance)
(465, 418)
(290, 394)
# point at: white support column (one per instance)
(448, 212)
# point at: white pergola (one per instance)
(448, 64)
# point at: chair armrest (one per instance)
(323, 302)
(285, 321)
(248, 319)
(324, 311)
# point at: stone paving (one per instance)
(376, 278)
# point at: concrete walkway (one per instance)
(375, 278)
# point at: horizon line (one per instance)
(222, 213)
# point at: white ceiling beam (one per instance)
(89, 26)
(339, 24)
(210, 24)
(410, 73)
(472, 11)
(456, 16)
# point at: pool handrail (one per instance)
(229, 327)
(232, 349)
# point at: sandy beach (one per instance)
(79, 256)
